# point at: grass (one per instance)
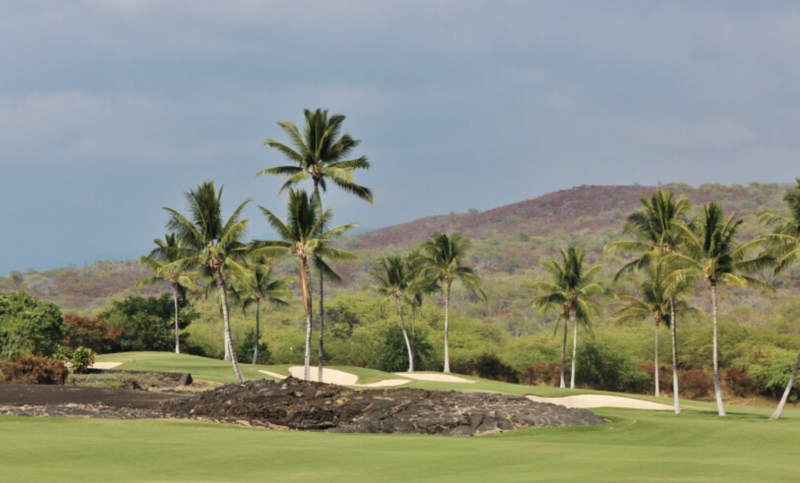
(635, 446)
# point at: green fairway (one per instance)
(635, 446)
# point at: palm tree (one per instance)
(320, 153)
(710, 246)
(393, 278)
(658, 299)
(443, 256)
(418, 289)
(655, 232)
(260, 285)
(786, 240)
(212, 245)
(570, 290)
(166, 268)
(304, 235)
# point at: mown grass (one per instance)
(696, 446)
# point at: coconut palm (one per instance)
(655, 234)
(212, 245)
(260, 286)
(570, 290)
(320, 154)
(658, 300)
(419, 288)
(166, 268)
(304, 234)
(786, 249)
(393, 279)
(442, 258)
(710, 248)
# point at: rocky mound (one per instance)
(297, 404)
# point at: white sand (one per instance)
(587, 401)
(434, 377)
(106, 365)
(333, 376)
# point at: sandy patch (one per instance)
(434, 377)
(588, 401)
(333, 376)
(272, 374)
(106, 365)
(386, 383)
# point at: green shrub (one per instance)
(770, 370)
(391, 354)
(245, 346)
(81, 359)
(600, 367)
(488, 366)
(29, 325)
(33, 370)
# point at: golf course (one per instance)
(636, 445)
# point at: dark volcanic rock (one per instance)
(297, 404)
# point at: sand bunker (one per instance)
(434, 377)
(106, 365)
(588, 401)
(334, 376)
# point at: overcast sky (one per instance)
(111, 109)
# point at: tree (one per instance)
(304, 234)
(658, 300)
(260, 285)
(212, 245)
(570, 290)
(167, 268)
(393, 279)
(29, 326)
(655, 234)
(443, 256)
(710, 248)
(786, 249)
(145, 324)
(320, 153)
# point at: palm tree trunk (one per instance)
(717, 388)
(779, 409)
(574, 348)
(563, 384)
(405, 335)
(226, 317)
(258, 326)
(227, 345)
(321, 353)
(655, 371)
(446, 322)
(673, 331)
(175, 300)
(307, 306)
(413, 328)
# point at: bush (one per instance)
(33, 370)
(770, 371)
(738, 382)
(695, 384)
(92, 334)
(245, 346)
(82, 358)
(541, 374)
(391, 353)
(148, 323)
(602, 368)
(29, 325)
(488, 366)
(664, 377)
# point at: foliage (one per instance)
(602, 368)
(695, 383)
(391, 355)
(91, 333)
(540, 374)
(147, 323)
(29, 325)
(81, 359)
(488, 366)
(244, 348)
(33, 370)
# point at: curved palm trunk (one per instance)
(779, 409)
(321, 353)
(258, 326)
(572, 316)
(307, 306)
(446, 322)
(177, 330)
(413, 329)
(563, 384)
(227, 340)
(226, 317)
(717, 388)
(673, 331)
(655, 371)
(405, 335)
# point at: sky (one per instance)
(112, 109)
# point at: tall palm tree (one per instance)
(166, 268)
(443, 257)
(212, 245)
(418, 289)
(786, 248)
(393, 280)
(261, 286)
(655, 234)
(710, 248)
(658, 300)
(571, 290)
(320, 154)
(304, 235)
